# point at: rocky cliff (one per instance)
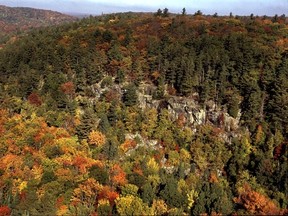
(188, 107)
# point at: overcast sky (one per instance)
(222, 7)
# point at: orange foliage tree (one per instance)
(96, 138)
(118, 176)
(257, 203)
(68, 88)
(109, 194)
(128, 144)
(3, 119)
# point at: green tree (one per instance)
(104, 124)
(183, 12)
(164, 129)
(131, 205)
(189, 79)
(159, 12)
(107, 36)
(165, 12)
(276, 109)
(171, 195)
(100, 174)
(130, 97)
(129, 189)
(88, 121)
(198, 13)
(148, 193)
(213, 199)
(120, 76)
(149, 122)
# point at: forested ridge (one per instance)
(17, 20)
(146, 114)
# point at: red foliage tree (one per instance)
(181, 120)
(34, 99)
(279, 151)
(111, 95)
(5, 211)
(68, 88)
(59, 202)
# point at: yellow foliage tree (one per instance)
(152, 166)
(149, 122)
(62, 210)
(86, 193)
(191, 197)
(159, 207)
(132, 205)
(96, 138)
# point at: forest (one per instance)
(146, 114)
(18, 20)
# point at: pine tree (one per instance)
(130, 97)
(88, 122)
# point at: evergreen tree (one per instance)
(130, 97)
(148, 193)
(159, 12)
(170, 193)
(88, 122)
(183, 12)
(165, 12)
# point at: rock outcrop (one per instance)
(194, 113)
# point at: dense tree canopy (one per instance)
(157, 114)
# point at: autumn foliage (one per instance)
(68, 88)
(109, 194)
(5, 211)
(34, 99)
(128, 144)
(257, 203)
(96, 138)
(142, 114)
(118, 176)
(86, 192)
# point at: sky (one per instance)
(94, 7)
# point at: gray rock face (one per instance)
(194, 114)
(177, 106)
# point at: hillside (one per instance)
(146, 114)
(18, 19)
